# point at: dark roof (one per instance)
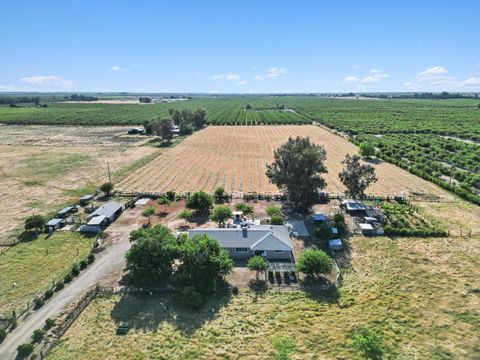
(65, 210)
(256, 237)
(53, 222)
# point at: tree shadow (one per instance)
(326, 295)
(147, 312)
(258, 288)
(27, 236)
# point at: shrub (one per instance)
(276, 220)
(38, 303)
(284, 346)
(48, 294)
(75, 270)
(107, 188)
(273, 210)
(38, 335)
(3, 334)
(25, 349)
(170, 195)
(90, 258)
(14, 323)
(219, 195)
(368, 342)
(201, 202)
(49, 323)
(191, 298)
(59, 286)
(83, 264)
(221, 214)
(67, 278)
(235, 290)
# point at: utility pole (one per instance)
(108, 168)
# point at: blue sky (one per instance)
(240, 46)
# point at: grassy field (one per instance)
(421, 294)
(33, 265)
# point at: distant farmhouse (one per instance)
(269, 241)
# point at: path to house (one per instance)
(108, 265)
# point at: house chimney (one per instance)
(245, 231)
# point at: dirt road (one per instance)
(107, 266)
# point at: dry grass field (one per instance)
(39, 179)
(421, 294)
(236, 157)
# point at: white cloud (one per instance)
(473, 81)
(375, 77)
(430, 73)
(351, 79)
(242, 82)
(50, 81)
(229, 77)
(273, 72)
(116, 68)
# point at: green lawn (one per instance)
(421, 294)
(33, 265)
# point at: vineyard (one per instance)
(236, 158)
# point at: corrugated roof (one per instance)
(276, 236)
(97, 220)
(65, 210)
(53, 222)
(107, 209)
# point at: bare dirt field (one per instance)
(39, 179)
(67, 135)
(236, 158)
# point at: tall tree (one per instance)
(368, 342)
(148, 212)
(356, 176)
(199, 118)
(163, 128)
(151, 257)
(296, 170)
(34, 222)
(203, 263)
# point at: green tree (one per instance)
(107, 188)
(219, 195)
(221, 214)
(296, 170)
(24, 350)
(273, 210)
(203, 263)
(163, 128)
(185, 214)
(314, 263)
(151, 257)
(257, 264)
(201, 202)
(165, 201)
(367, 150)
(199, 118)
(148, 212)
(356, 176)
(38, 335)
(276, 220)
(283, 346)
(3, 334)
(35, 222)
(368, 342)
(245, 208)
(176, 116)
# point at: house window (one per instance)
(279, 251)
(241, 250)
